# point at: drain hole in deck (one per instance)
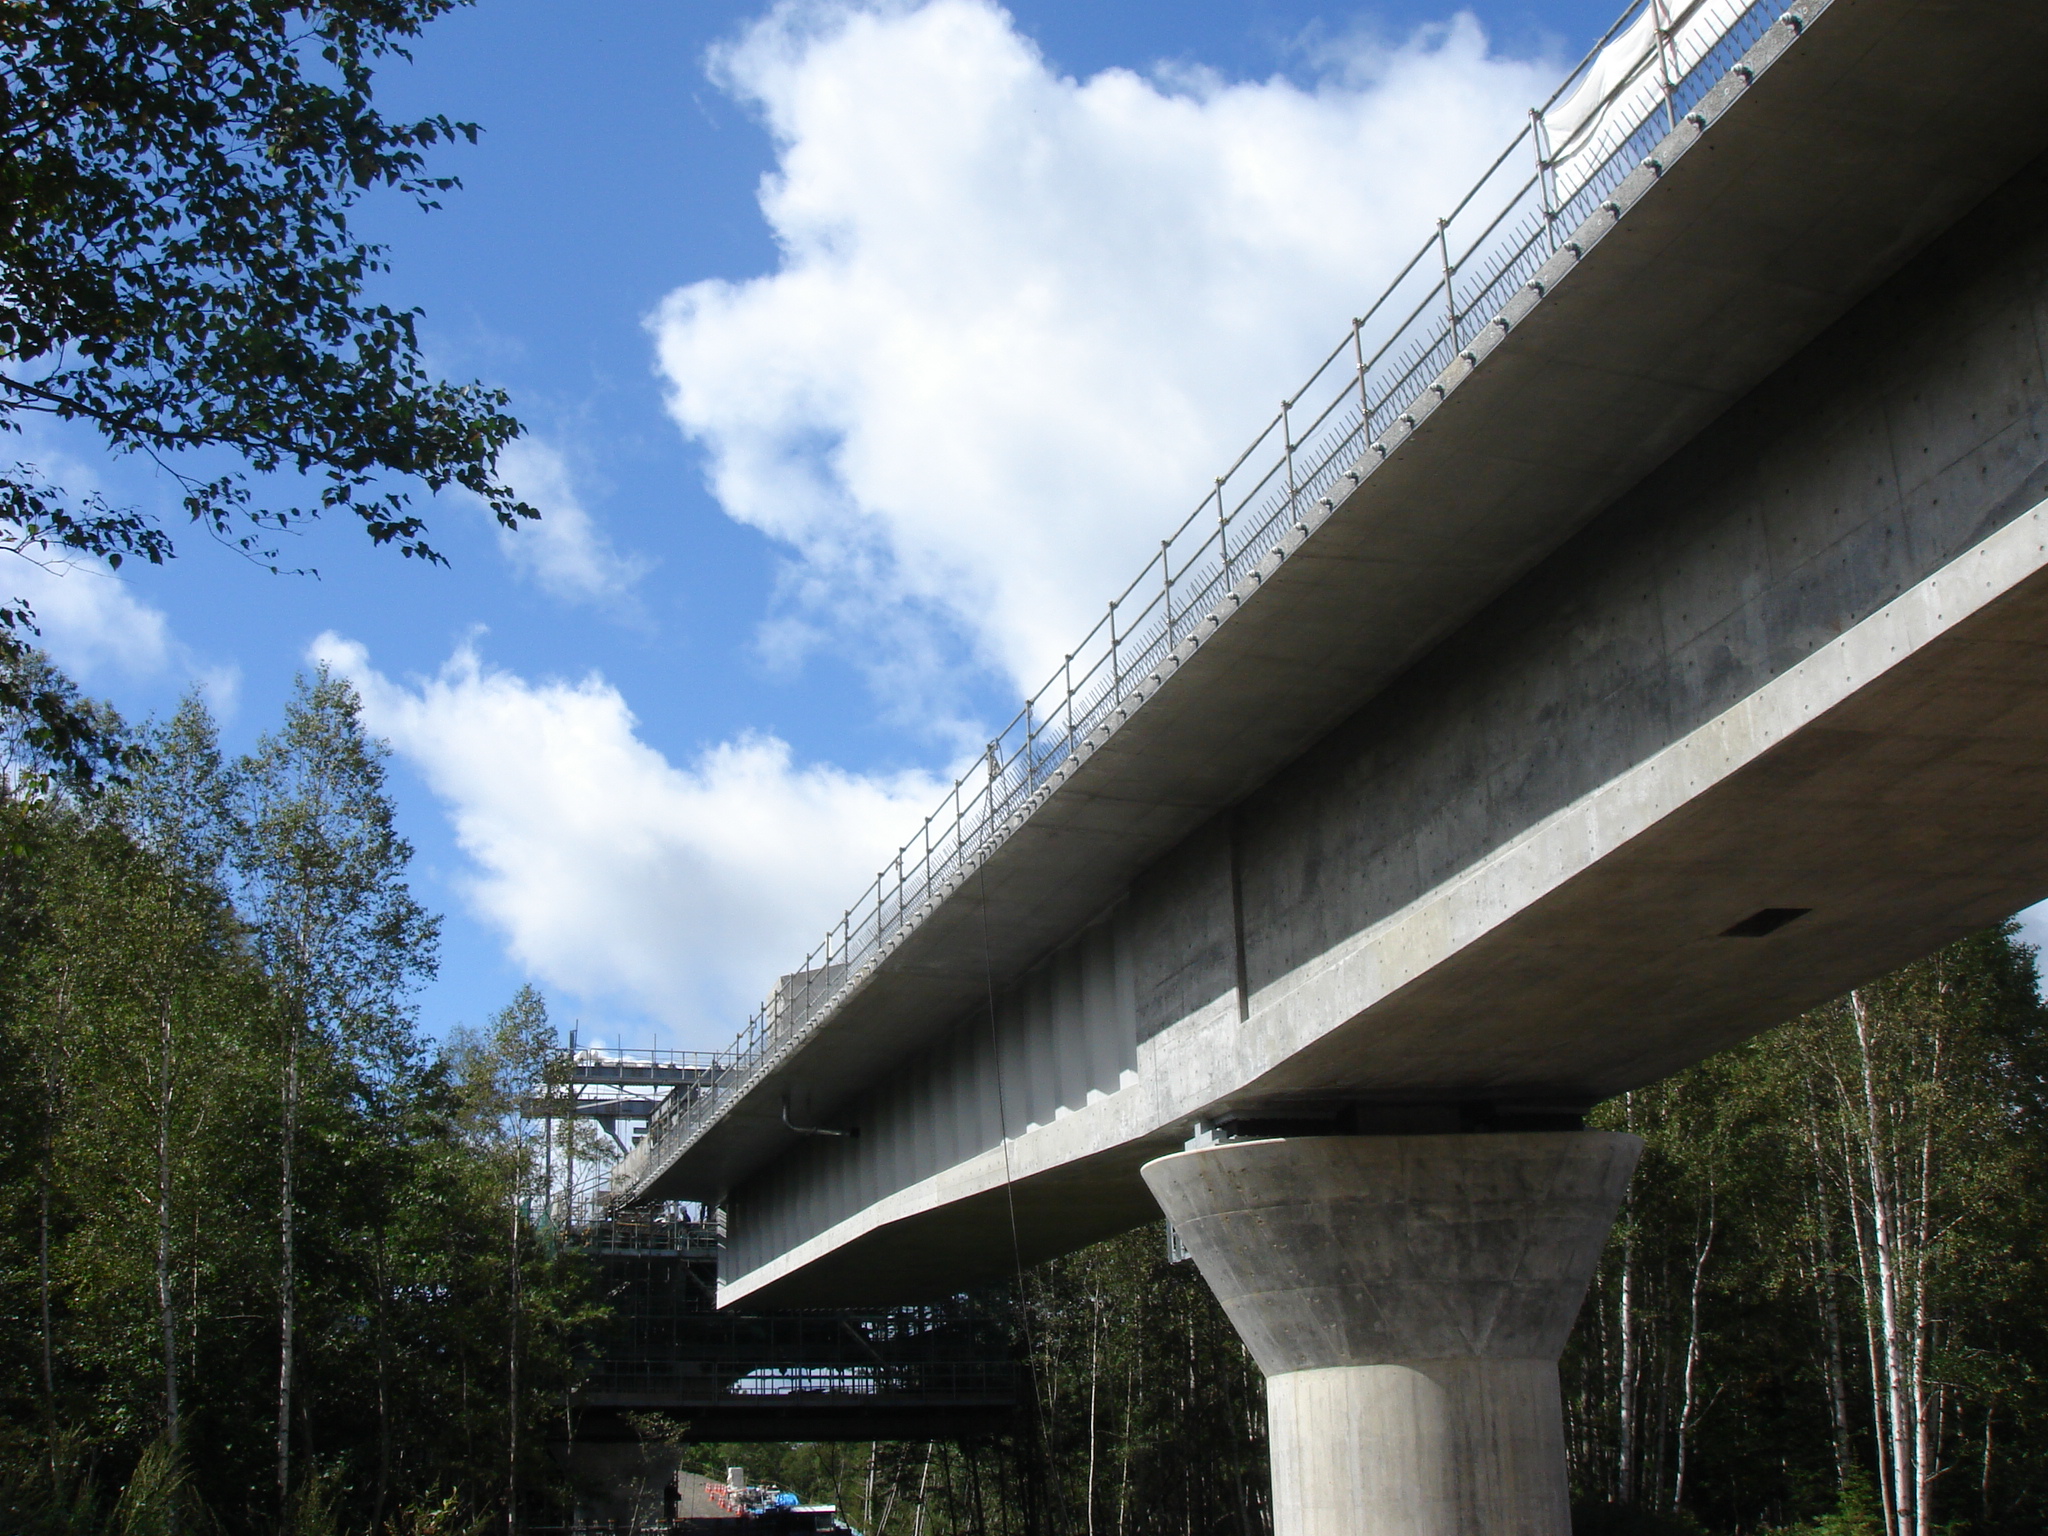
(1769, 920)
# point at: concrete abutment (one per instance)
(1407, 1298)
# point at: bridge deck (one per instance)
(1861, 137)
(1691, 598)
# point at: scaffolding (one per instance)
(813, 1375)
(907, 1372)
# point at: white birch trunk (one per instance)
(166, 1301)
(1625, 1383)
(1094, 1378)
(1688, 1394)
(1896, 1427)
(287, 1283)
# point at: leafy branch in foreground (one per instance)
(177, 272)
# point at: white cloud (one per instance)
(1020, 319)
(100, 633)
(616, 875)
(92, 625)
(565, 552)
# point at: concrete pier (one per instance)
(1408, 1298)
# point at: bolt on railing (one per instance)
(1486, 248)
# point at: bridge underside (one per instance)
(1803, 668)
(621, 1417)
(665, 1349)
(1716, 588)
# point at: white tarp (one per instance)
(1624, 86)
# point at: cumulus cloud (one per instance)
(92, 624)
(566, 553)
(1019, 319)
(96, 629)
(616, 875)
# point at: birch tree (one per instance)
(1920, 1077)
(320, 870)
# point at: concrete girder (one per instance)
(1851, 147)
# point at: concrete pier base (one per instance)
(1407, 1298)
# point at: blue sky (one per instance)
(830, 469)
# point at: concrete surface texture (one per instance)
(1804, 665)
(1407, 1298)
(1717, 583)
(1860, 131)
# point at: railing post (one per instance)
(1222, 533)
(1667, 63)
(1287, 437)
(1166, 576)
(1067, 673)
(1364, 399)
(1546, 184)
(1443, 250)
(1116, 671)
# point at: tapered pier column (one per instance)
(1407, 1298)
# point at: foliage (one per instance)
(1821, 1308)
(53, 738)
(149, 1002)
(318, 870)
(178, 273)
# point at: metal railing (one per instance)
(668, 1238)
(648, 1064)
(1515, 218)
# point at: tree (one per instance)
(145, 1020)
(500, 1070)
(179, 800)
(178, 273)
(321, 873)
(1923, 1080)
(51, 736)
(1855, 1198)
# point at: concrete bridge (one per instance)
(1670, 655)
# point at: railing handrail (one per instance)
(1026, 757)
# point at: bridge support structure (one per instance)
(1407, 1298)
